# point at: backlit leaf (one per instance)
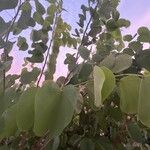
(144, 103)
(129, 94)
(8, 122)
(25, 109)
(54, 108)
(109, 83)
(99, 78)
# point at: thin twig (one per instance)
(129, 74)
(13, 21)
(49, 48)
(77, 56)
(7, 36)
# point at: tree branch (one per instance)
(7, 36)
(49, 48)
(77, 56)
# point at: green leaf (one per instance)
(51, 9)
(115, 15)
(144, 34)
(5, 65)
(99, 78)
(128, 51)
(143, 59)
(135, 132)
(108, 61)
(87, 144)
(45, 111)
(38, 18)
(144, 103)
(22, 43)
(3, 26)
(25, 109)
(122, 62)
(111, 25)
(39, 7)
(9, 46)
(54, 108)
(37, 57)
(117, 63)
(25, 18)
(10, 98)
(127, 38)
(27, 77)
(35, 35)
(8, 4)
(85, 72)
(84, 52)
(129, 94)
(136, 46)
(109, 83)
(123, 23)
(8, 126)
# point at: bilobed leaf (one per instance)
(109, 83)
(117, 35)
(25, 16)
(51, 9)
(22, 43)
(99, 78)
(129, 93)
(84, 52)
(25, 109)
(8, 4)
(115, 15)
(8, 122)
(111, 25)
(27, 77)
(85, 71)
(3, 26)
(123, 23)
(143, 59)
(38, 18)
(127, 38)
(108, 61)
(46, 101)
(35, 35)
(117, 63)
(135, 46)
(144, 34)
(54, 108)
(122, 62)
(39, 7)
(144, 103)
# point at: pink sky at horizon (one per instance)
(137, 11)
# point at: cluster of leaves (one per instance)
(103, 103)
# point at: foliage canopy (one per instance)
(102, 104)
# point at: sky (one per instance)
(137, 11)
